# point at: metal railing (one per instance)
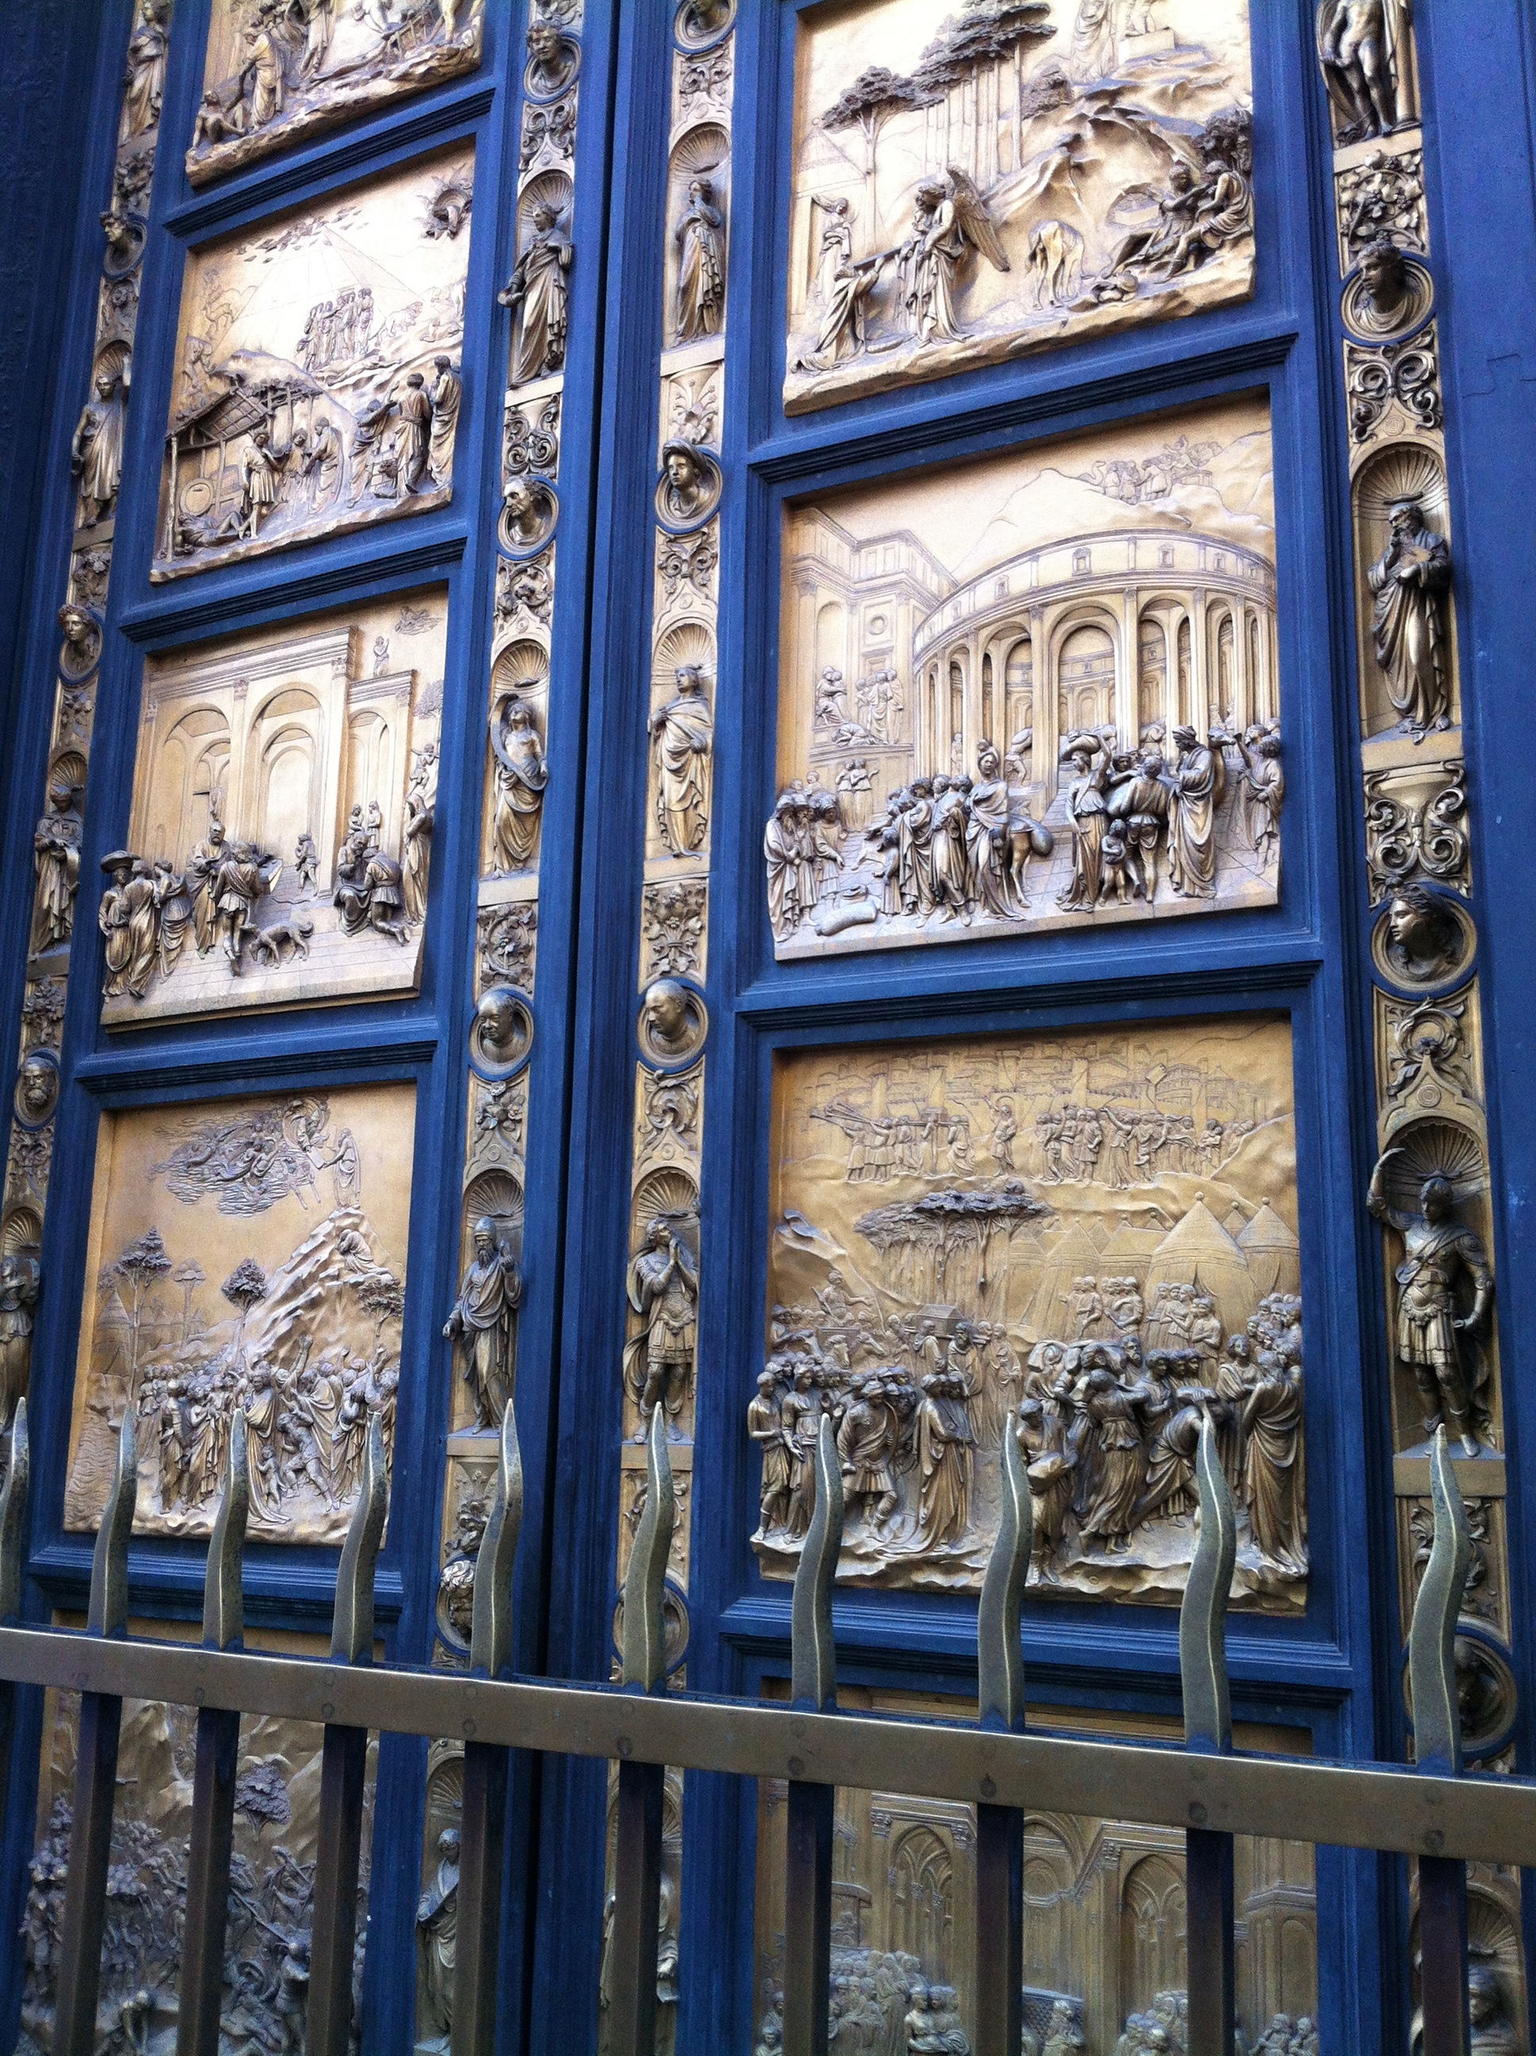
(1429, 1811)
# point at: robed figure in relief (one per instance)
(700, 265)
(538, 291)
(1409, 580)
(484, 1323)
(521, 777)
(682, 736)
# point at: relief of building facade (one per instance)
(279, 843)
(245, 1255)
(1089, 1242)
(318, 377)
(1072, 717)
(1009, 181)
(1104, 1917)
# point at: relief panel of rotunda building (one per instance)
(1031, 691)
(968, 186)
(278, 71)
(280, 837)
(246, 1256)
(1088, 1241)
(318, 378)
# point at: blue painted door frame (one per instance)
(1334, 1672)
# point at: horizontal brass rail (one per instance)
(1482, 1820)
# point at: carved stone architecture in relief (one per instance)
(272, 1880)
(247, 1255)
(1086, 1241)
(1070, 717)
(316, 386)
(278, 71)
(1009, 180)
(281, 829)
(1104, 1963)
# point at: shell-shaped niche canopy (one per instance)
(497, 1194)
(666, 1195)
(21, 1232)
(1435, 1149)
(520, 667)
(549, 189)
(701, 152)
(1406, 471)
(690, 642)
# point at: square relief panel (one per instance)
(246, 1255)
(1105, 1914)
(1036, 690)
(272, 1873)
(1087, 1240)
(277, 74)
(968, 186)
(283, 800)
(317, 380)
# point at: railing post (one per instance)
(213, 1775)
(100, 1724)
(1000, 1704)
(810, 1809)
(343, 1773)
(1211, 1945)
(638, 1823)
(483, 1816)
(13, 1535)
(1437, 1749)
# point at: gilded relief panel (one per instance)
(1089, 1241)
(279, 71)
(281, 832)
(1104, 1920)
(317, 383)
(967, 189)
(1032, 691)
(245, 1255)
(272, 1876)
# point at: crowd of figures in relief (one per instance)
(978, 1242)
(271, 1900)
(1032, 691)
(1024, 175)
(277, 70)
(242, 1273)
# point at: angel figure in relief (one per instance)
(949, 220)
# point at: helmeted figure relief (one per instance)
(699, 304)
(664, 1293)
(1410, 580)
(243, 876)
(521, 779)
(538, 292)
(682, 738)
(96, 451)
(483, 1323)
(1365, 50)
(1443, 1261)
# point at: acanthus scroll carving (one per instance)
(1382, 197)
(1408, 373)
(1415, 824)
